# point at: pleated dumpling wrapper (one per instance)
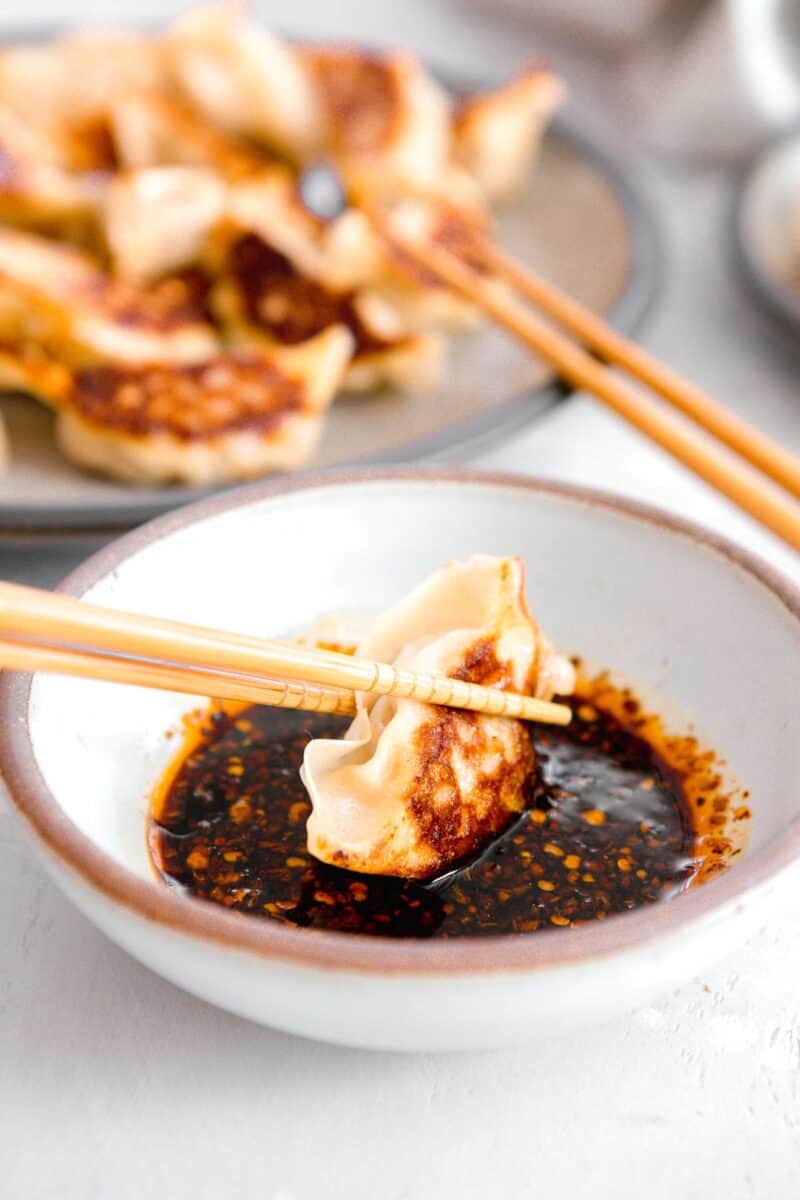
(413, 787)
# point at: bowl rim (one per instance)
(271, 940)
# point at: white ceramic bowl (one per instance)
(707, 634)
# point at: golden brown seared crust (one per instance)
(70, 280)
(481, 665)
(234, 417)
(449, 825)
(234, 392)
(289, 306)
(183, 295)
(472, 778)
(87, 144)
(362, 95)
(167, 306)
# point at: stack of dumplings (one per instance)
(164, 289)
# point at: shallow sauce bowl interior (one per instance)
(709, 638)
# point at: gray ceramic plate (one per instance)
(580, 221)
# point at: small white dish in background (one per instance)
(766, 228)
(709, 636)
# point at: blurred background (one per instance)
(684, 93)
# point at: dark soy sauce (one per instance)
(608, 827)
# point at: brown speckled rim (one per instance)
(203, 920)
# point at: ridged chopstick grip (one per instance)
(65, 619)
(29, 656)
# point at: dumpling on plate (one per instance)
(152, 128)
(27, 369)
(387, 121)
(56, 298)
(411, 362)
(243, 79)
(260, 296)
(236, 416)
(412, 788)
(73, 79)
(413, 289)
(497, 133)
(158, 219)
(36, 192)
(341, 254)
(63, 90)
(346, 254)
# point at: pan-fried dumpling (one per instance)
(36, 192)
(245, 80)
(152, 128)
(412, 362)
(158, 219)
(388, 122)
(346, 255)
(260, 296)
(237, 416)
(73, 79)
(26, 369)
(341, 254)
(412, 788)
(414, 291)
(54, 297)
(497, 133)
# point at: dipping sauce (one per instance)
(618, 815)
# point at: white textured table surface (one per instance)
(115, 1084)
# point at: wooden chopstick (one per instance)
(750, 490)
(54, 619)
(55, 660)
(739, 435)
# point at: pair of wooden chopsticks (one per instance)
(45, 631)
(752, 487)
